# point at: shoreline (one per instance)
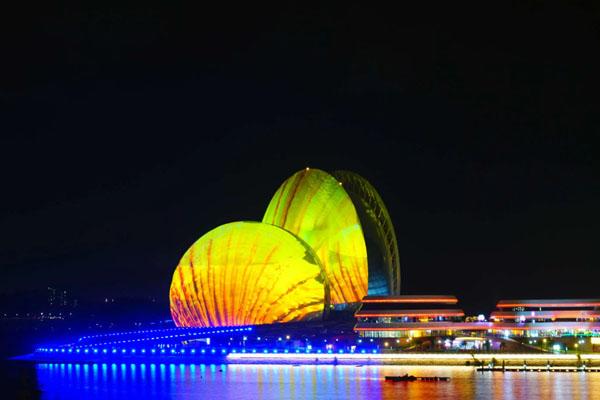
(589, 360)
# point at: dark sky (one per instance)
(129, 129)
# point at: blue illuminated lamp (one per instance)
(341, 351)
(132, 351)
(162, 351)
(212, 351)
(265, 351)
(123, 351)
(297, 351)
(172, 351)
(254, 350)
(77, 351)
(104, 351)
(374, 351)
(202, 351)
(114, 351)
(143, 351)
(63, 350)
(319, 351)
(363, 351)
(153, 351)
(286, 351)
(182, 351)
(243, 350)
(329, 352)
(234, 351)
(95, 351)
(222, 351)
(193, 351)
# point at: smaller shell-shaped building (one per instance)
(247, 273)
(314, 206)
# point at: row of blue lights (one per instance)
(192, 351)
(166, 337)
(199, 330)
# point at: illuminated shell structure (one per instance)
(314, 206)
(247, 273)
(308, 253)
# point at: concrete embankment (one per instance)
(534, 359)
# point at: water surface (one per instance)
(270, 382)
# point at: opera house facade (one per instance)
(325, 241)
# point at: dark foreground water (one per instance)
(244, 382)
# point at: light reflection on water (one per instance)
(244, 382)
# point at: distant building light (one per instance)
(556, 347)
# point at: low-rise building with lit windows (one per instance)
(558, 323)
(420, 322)
(555, 325)
(536, 318)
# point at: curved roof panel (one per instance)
(384, 273)
(247, 273)
(313, 205)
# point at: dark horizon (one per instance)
(132, 130)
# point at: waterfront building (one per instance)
(408, 316)
(306, 258)
(420, 322)
(562, 324)
(550, 324)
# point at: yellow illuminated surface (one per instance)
(314, 206)
(247, 273)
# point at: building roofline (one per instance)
(439, 299)
(410, 313)
(549, 303)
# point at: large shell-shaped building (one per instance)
(314, 206)
(313, 249)
(247, 273)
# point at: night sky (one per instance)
(131, 129)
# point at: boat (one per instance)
(401, 378)
(412, 378)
